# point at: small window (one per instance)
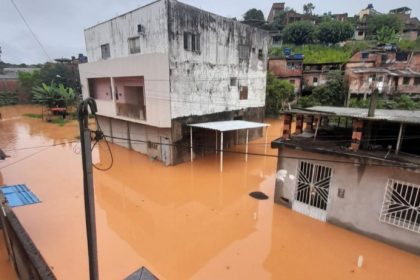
(315, 81)
(290, 65)
(365, 55)
(244, 52)
(406, 81)
(152, 145)
(191, 42)
(260, 54)
(243, 94)
(384, 58)
(417, 81)
(134, 45)
(141, 29)
(105, 51)
(360, 33)
(292, 82)
(401, 204)
(233, 81)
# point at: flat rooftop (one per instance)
(400, 116)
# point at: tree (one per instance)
(299, 33)
(26, 81)
(333, 32)
(54, 96)
(279, 92)
(386, 35)
(254, 17)
(333, 92)
(278, 21)
(375, 23)
(308, 8)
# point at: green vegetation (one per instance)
(407, 45)
(8, 98)
(54, 95)
(333, 32)
(254, 17)
(317, 53)
(60, 121)
(300, 33)
(48, 74)
(332, 93)
(386, 35)
(399, 101)
(308, 8)
(33, 116)
(279, 92)
(375, 23)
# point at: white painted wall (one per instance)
(154, 68)
(200, 82)
(116, 32)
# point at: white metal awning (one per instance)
(224, 126)
(229, 125)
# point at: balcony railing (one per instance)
(131, 111)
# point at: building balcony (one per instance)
(132, 111)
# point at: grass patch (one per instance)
(318, 53)
(34, 116)
(60, 121)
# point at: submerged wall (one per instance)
(364, 188)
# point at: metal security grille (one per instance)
(313, 184)
(401, 206)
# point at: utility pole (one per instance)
(89, 196)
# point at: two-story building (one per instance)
(167, 64)
(390, 71)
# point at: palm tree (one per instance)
(308, 8)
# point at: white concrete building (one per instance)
(167, 64)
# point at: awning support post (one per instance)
(399, 141)
(266, 139)
(221, 151)
(216, 142)
(191, 143)
(246, 147)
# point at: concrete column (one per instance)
(357, 134)
(400, 138)
(287, 126)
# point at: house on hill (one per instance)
(158, 68)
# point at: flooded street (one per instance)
(182, 222)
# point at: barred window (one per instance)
(192, 42)
(244, 52)
(401, 205)
(152, 145)
(134, 44)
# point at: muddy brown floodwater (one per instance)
(183, 222)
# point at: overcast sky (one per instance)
(59, 25)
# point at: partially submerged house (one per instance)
(357, 168)
(160, 67)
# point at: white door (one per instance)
(165, 150)
(312, 190)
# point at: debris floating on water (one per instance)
(259, 195)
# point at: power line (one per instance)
(212, 148)
(43, 146)
(30, 29)
(24, 158)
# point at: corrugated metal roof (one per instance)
(19, 195)
(402, 116)
(229, 125)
